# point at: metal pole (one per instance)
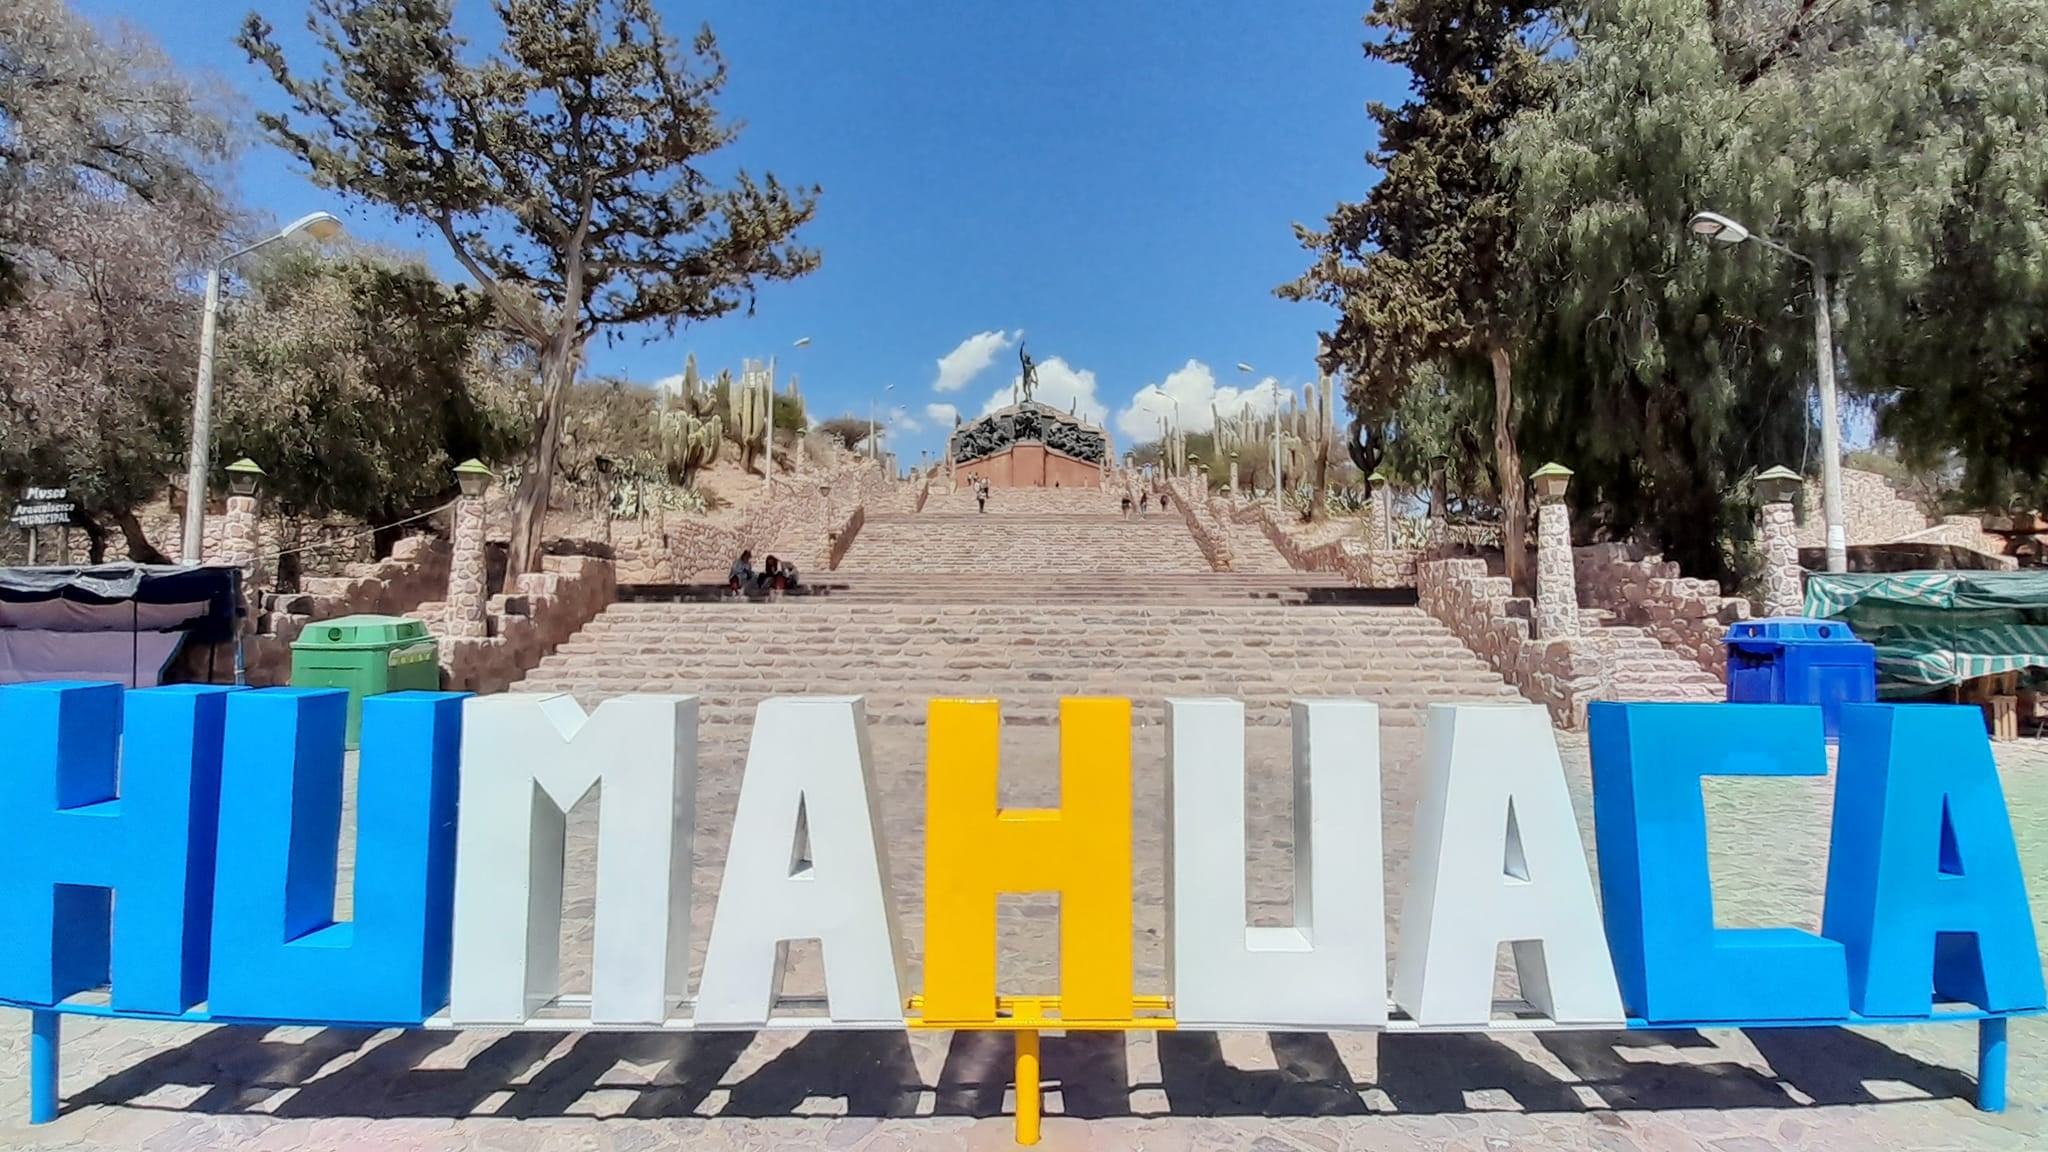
(46, 1029)
(197, 462)
(1830, 427)
(1278, 503)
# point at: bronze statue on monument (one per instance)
(1029, 380)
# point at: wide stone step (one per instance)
(1148, 708)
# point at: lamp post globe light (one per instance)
(1714, 228)
(318, 225)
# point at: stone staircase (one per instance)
(1639, 667)
(1023, 501)
(1142, 645)
(1016, 543)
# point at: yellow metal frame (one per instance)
(1024, 1017)
(1035, 1013)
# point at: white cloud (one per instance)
(970, 358)
(942, 415)
(900, 419)
(1061, 386)
(1194, 385)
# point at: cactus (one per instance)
(750, 401)
(688, 443)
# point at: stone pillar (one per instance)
(1784, 594)
(1557, 592)
(469, 587)
(1233, 477)
(239, 532)
(1778, 532)
(1379, 516)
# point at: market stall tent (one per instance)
(1936, 629)
(121, 623)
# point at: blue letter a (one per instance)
(1924, 884)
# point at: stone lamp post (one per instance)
(1233, 477)
(468, 577)
(1439, 498)
(239, 534)
(1777, 529)
(1557, 592)
(1379, 520)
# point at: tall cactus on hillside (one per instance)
(749, 402)
(687, 431)
(688, 442)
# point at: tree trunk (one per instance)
(1514, 513)
(140, 550)
(95, 541)
(530, 500)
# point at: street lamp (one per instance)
(874, 451)
(1714, 228)
(244, 477)
(318, 225)
(1176, 415)
(1278, 503)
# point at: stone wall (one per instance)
(675, 548)
(528, 623)
(1346, 555)
(1205, 516)
(415, 573)
(1687, 616)
(1564, 675)
(1872, 511)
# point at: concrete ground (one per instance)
(165, 1088)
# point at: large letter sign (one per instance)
(1674, 965)
(1326, 970)
(806, 863)
(100, 883)
(278, 948)
(170, 853)
(1924, 885)
(526, 760)
(974, 851)
(1498, 859)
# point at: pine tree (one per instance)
(1425, 270)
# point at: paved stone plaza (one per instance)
(130, 1085)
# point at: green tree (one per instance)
(565, 171)
(1425, 269)
(1665, 371)
(107, 207)
(358, 382)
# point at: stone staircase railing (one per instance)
(1564, 674)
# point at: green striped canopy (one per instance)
(1933, 629)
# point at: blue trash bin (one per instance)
(1800, 660)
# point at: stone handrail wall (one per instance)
(529, 623)
(843, 537)
(1198, 511)
(1687, 616)
(1347, 556)
(1563, 675)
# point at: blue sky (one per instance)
(1115, 181)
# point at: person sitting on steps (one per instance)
(741, 577)
(771, 575)
(1144, 503)
(1127, 505)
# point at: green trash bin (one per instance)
(369, 656)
